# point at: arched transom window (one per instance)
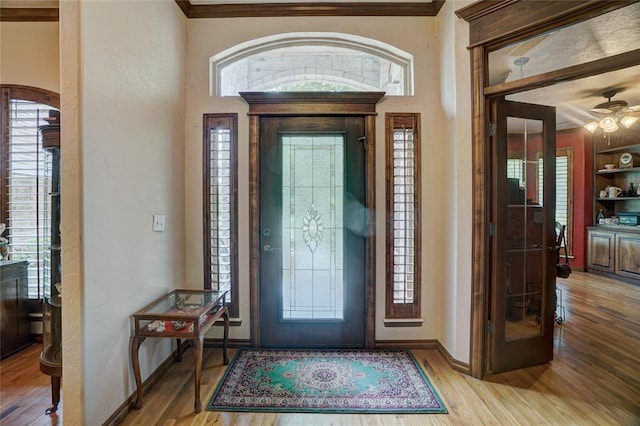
(312, 62)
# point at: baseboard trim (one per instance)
(459, 366)
(210, 342)
(406, 344)
(127, 406)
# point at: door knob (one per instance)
(266, 232)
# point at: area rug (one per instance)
(325, 381)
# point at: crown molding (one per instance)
(255, 10)
(29, 14)
(264, 10)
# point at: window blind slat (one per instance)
(28, 182)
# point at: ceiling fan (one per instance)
(610, 113)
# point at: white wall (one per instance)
(456, 217)
(415, 35)
(125, 147)
(30, 54)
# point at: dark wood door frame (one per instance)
(492, 25)
(310, 104)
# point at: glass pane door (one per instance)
(312, 222)
(523, 241)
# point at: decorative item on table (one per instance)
(613, 191)
(603, 193)
(609, 166)
(4, 243)
(600, 217)
(629, 218)
(157, 326)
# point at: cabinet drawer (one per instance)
(627, 248)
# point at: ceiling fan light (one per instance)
(628, 121)
(608, 124)
(592, 126)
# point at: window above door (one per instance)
(312, 62)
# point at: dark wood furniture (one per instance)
(614, 251)
(181, 314)
(14, 314)
(51, 356)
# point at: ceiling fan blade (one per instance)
(601, 110)
(635, 108)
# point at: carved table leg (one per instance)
(178, 357)
(55, 395)
(197, 348)
(135, 346)
(225, 339)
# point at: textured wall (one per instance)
(30, 54)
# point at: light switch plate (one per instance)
(158, 222)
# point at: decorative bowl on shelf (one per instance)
(609, 166)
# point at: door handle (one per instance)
(267, 248)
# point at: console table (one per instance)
(181, 314)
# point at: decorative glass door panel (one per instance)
(312, 236)
(523, 242)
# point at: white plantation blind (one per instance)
(28, 179)
(221, 228)
(564, 191)
(403, 224)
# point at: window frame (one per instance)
(221, 60)
(226, 121)
(411, 311)
(9, 92)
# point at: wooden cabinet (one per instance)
(627, 254)
(14, 314)
(615, 252)
(601, 254)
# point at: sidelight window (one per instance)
(403, 222)
(221, 205)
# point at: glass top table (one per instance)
(181, 314)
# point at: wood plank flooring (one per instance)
(25, 392)
(594, 378)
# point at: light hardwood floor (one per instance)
(594, 378)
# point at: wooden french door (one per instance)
(522, 302)
(313, 223)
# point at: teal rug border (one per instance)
(442, 410)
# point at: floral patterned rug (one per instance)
(325, 381)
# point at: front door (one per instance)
(312, 231)
(522, 302)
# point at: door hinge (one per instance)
(490, 327)
(492, 229)
(491, 128)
